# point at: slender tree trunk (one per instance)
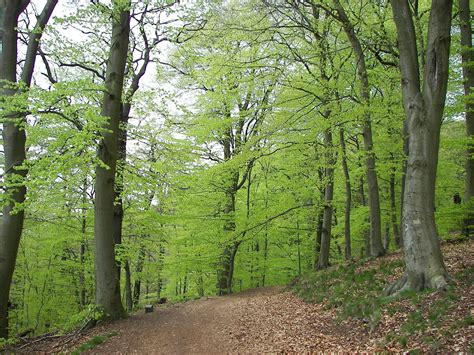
(138, 279)
(467, 56)
(366, 236)
(159, 283)
(323, 259)
(226, 264)
(406, 149)
(14, 139)
(82, 252)
(298, 244)
(424, 110)
(107, 282)
(118, 204)
(265, 237)
(393, 211)
(386, 241)
(128, 287)
(376, 247)
(347, 210)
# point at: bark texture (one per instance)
(14, 139)
(323, 258)
(424, 110)
(107, 282)
(347, 208)
(468, 75)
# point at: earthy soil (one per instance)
(274, 320)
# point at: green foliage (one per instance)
(91, 313)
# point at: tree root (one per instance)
(437, 282)
(396, 287)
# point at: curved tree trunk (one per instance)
(424, 110)
(376, 246)
(107, 282)
(14, 139)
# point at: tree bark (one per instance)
(107, 282)
(424, 110)
(467, 57)
(376, 247)
(347, 209)
(128, 286)
(138, 279)
(323, 258)
(14, 140)
(393, 212)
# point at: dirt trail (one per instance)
(254, 321)
(191, 327)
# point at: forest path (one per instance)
(258, 320)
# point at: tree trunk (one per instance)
(226, 269)
(128, 287)
(468, 75)
(323, 259)
(14, 140)
(226, 264)
(82, 252)
(107, 282)
(386, 241)
(138, 279)
(424, 110)
(376, 247)
(347, 210)
(393, 212)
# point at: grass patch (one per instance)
(355, 293)
(93, 342)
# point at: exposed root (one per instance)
(396, 287)
(438, 282)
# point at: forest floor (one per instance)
(273, 319)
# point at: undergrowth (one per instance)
(355, 291)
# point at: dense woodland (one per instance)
(179, 149)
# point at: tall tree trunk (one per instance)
(323, 259)
(347, 209)
(122, 138)
(138, 278)
(376, 247)
(424, 110)
(226, 264)
(393, 211)
(107, 282)
(467, 56)
(128, 286)
(14, 139)
(121, 161)
(82, 252)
